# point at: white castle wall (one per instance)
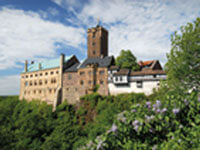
(147, 87)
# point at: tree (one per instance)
(127, 60)
(183, 66)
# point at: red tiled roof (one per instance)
(146, 63)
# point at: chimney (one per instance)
(62, 59)
(26, 66)
(39, 66)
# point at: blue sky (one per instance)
(42, 29)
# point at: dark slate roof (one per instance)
(101, 62)
(73, 68)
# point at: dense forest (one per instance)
(167, 119)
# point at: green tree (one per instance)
(183, 66)
(127, 60)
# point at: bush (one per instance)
(163, 124)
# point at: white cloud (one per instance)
(25, 35)
(140, 25)
(10, 85)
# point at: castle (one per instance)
(65, 78)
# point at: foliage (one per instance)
(169, 124)
(183, 64)
(33, 125)
(127, 60)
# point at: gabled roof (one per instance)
(101, 62)
(150, 64)
(73, 68)
(53, 63)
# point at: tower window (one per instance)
(93, 43)
(93, 34)
(94, 52)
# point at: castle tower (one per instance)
(97, 42)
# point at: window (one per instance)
(46, 73)
(76, 89)
(40, 82)
(93, 43)
(40, 91)
(82, 73)
(69, 76)
(41, 74)
(46, 81)
(35, 83)
(54, 90)
(89, 72)
(31, 75)
(101, 72)
(53, 80)
(94, 52)
(49, 90)
(139, 84)
(89, 82)
(154, 75)
(57, 72)
(120, 78)
(67, 89)
(101, 81)
(51, 72)
(30, 83)
(26, 83)
(35, 75)
(26, 76)
(116, 78)
(81, 82)
(34, 91)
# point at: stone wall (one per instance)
(40, 85)
(82, 82)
